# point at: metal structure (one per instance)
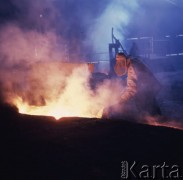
(152, 48)
(114, 48)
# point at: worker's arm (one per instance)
(131, 88)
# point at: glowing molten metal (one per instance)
(56, 110)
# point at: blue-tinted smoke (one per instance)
(117, 15)
(85, 26)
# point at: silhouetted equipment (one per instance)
(134, 50)
(155, 47)
(114, 48)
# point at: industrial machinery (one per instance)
(114, 48)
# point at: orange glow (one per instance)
(168, 123)
(63, 90)
(56, 110)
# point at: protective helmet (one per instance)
(120, 66)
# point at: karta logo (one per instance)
(136, 170)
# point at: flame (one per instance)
(62, 90)
(57, 110)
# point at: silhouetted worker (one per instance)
(140, 89)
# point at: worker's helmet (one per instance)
(120, 67)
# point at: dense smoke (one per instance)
(38, 38)
(19, 47)
(85, 26)
(117, 15)
(35, 77)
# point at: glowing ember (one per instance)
(153, 121)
